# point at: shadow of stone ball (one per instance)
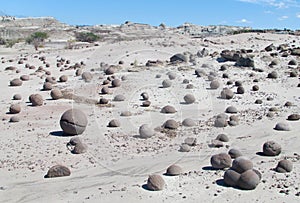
(155, 183)
(73, 122)
(58, 171)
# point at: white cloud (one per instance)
(279, 4)
(298, 15)
(283, 18)
(244, 21)
(268, 12)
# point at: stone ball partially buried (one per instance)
(73, 122)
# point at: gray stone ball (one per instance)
(189, 98)
(234, 153)
(282, 126)
(215, 84)
(284, 166)
(145, 131)
(248, 180)
(271, 148)
(231, 177)
(166, 83)
(56, 94)
(231, 109)
(58, 171)
(76, 146)
(16, 82)
(174, 170)
(17, 97)
(242, 164)
(188, 122)
(220, 161)
(114, 123)
(171, 124)
(155, 183)
(73, 122)
(15, 108)
(227, 93)
(168, 109)
(36, 99)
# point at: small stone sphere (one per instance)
(14, 109)
(220, 161)
(271, 148)
(284, 166)
(242, 164)
(189, 98)
(17, 97)
(36, 99)
(145, 131)
(174, 170)
(56, 94)
(63, 78)
(155, 183)
(166, 83)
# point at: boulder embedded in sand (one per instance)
(189, 98)
(116, 83)
(227, 93)
(222, 138)
(248, 180)
(168, 109)
(231, 177)
(58, 171)
(15, 82)
(47, 86)
(166, 83)
(119, 98)
(145, 131)
(17, 97)
(63, 78)
(282, 126)
(171, 124)
(242, 164)
(231, 109)
(234, 153)
(220, 122)
(15, 108)
(174, 170)
(155, 183)
(284, 166)
(220, 161)
(56, 94)
(293, 117)
(271, 148)
(273, 75)
(73, 122)
(188, 122)
(36, 99)
(179, 58)
(110, 71)
(114, 123)
(76, 146)
(87, 76)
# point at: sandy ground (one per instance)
(117, 164)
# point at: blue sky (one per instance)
(254, 13)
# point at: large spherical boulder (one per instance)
(241, 164)
(73, 122)
(189, 98)
(271, 148)
(174, 170)
(227, 93)
(248, 180)
(145, 131)
(282, 126)
(76, 146)
(231, 177)
(155, 183)
(168, 109)
(15, 108)
(284, 166)
(58, 171)
(36, 99)
(220, 161)
(56, 94)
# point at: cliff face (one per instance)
(13, 28)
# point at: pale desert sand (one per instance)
(117, 163)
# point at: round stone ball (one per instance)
(242, 164)
(73, 122)
(87, 76)
(63, 78)
(116, 83)
(168, 109)
(284, 166)
(188, 122)
(58, 171)
(47, 86)
(234, 153)
(17, 97)
(248, 180)
(220, 161)
(56, 94)
(271, 148)
(36, 99)
(189, 98)
(215, 84)
(174, 170)
(240, 90)
(145, 131)
(155, 183)
(227, 93)
(16, 82)
(282, 126)
(231, 177)
(166, 83)
(15, 108)
(171, 124)
(114, 123)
